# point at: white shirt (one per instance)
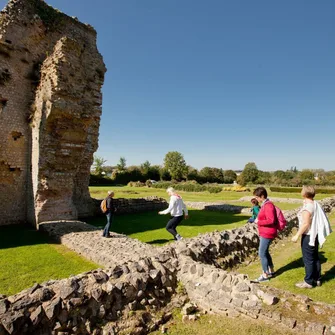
(176, 206)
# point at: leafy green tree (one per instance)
(145, 168)
(174, 162)
(229, 176)
(249, 174)
(98, 164)
(121, 166)
(211, 175)
(307, 176)
(192, 173)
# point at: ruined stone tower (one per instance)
(51, 75)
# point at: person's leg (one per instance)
(171, 227)
(270, 269)
(178, 220)
(109, 221)
(263, 252)
(308, 253)
(317, 263)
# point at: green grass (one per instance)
(149, 227)
(27, 257)
(287, 258)
(100, 192)
(222, 325)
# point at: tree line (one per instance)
(175, 168)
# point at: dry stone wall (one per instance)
(140, 279)
(51, 75)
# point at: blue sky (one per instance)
(223, 82)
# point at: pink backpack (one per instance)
(281, 219)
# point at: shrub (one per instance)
(214, 189)
(237, 188)
(298, 190)
(135, 184)
(100, 181)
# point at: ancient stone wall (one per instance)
(51, 75)
(140, 279)
(137, 205)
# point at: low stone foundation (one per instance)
(141, 279)
(129, 206)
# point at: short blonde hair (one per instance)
(170, 190)
(110, 192)
(308, 191)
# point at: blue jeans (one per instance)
(109, 217)
(310, 256)
(263, 251)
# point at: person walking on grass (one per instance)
(177, 209)
(255, 210)
(111, 209)
(267, 229)
(314, 227)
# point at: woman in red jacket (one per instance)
(267, 229)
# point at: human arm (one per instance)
(306, 223)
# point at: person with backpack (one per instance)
(314, 227)
(267, 229)
(255, 210)
(109, 209)
(176, 208)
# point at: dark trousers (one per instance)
(310, 256)
(172, 225)
(263, 251)
(109, 217)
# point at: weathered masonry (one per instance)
(51, 75)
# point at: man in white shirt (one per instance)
(177, 209)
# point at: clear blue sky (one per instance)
(223, 82)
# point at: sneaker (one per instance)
(261, 279)
(303, 285)
(178, 237)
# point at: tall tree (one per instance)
(121, 166)
(175, 163)
(98, 164)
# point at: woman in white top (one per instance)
(177, 209)
(309, 249)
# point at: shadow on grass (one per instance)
(148, 221)
(160, 241)
(298, 263)
(13, 236)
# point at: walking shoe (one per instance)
(303, 285)
(261, 279)
(178, 237)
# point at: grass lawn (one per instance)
(221, 325)
(99, 192)
(289, 266)
(149, 227)
(27, 257)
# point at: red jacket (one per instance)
(267, 221)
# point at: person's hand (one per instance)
(186, 216)
(160, 213)
(256, 221)
(295, 238)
